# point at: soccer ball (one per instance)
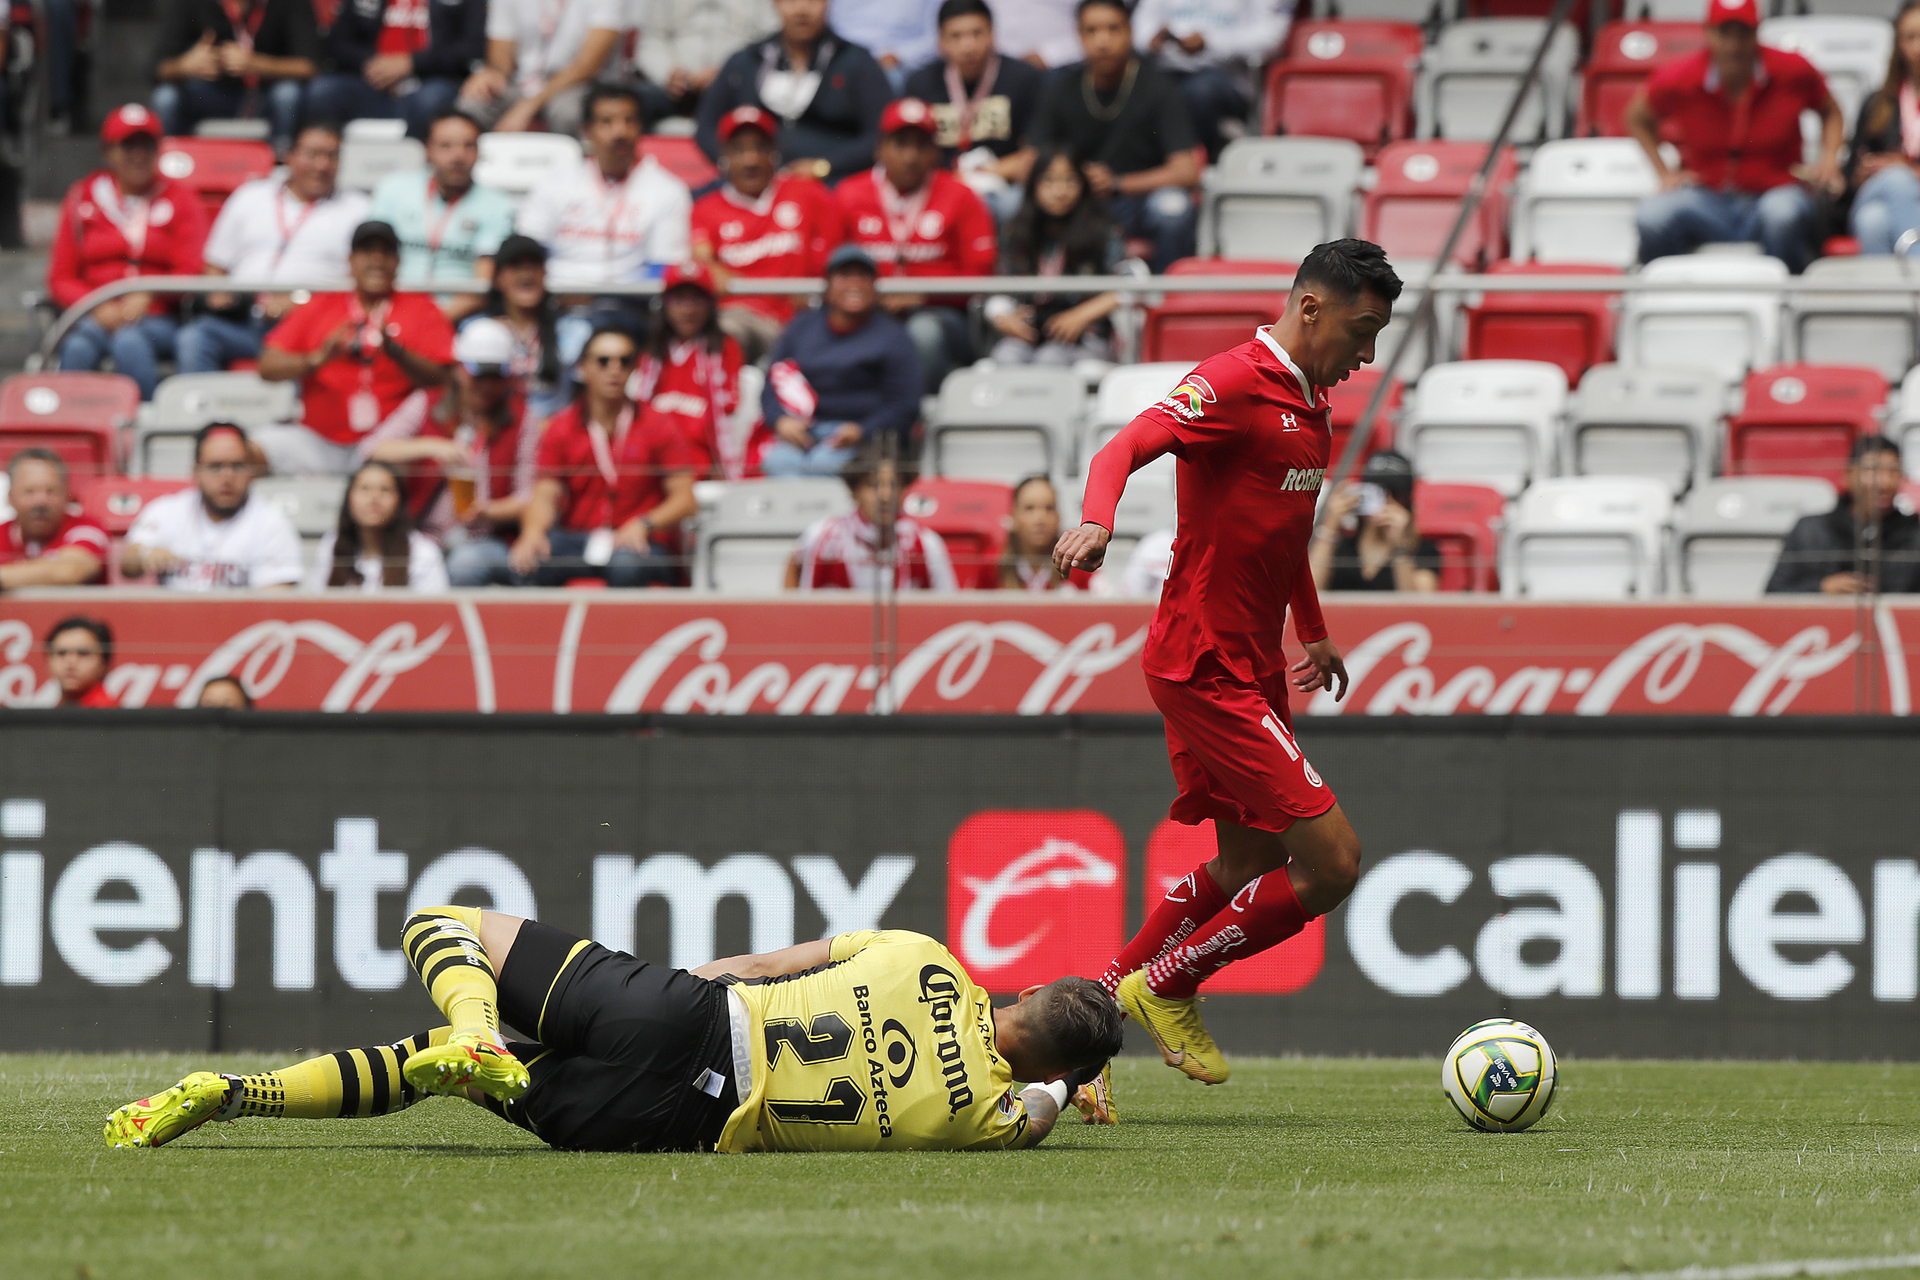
(1499, 1075)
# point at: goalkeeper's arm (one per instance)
(770, 964)
(1043, 1103)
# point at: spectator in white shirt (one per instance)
(541, 56)
(1213, 49)
(376, 546)
(294, 229)
(215, 536)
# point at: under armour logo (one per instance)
(1289, 423)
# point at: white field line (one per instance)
(1768, 1270)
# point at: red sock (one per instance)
(1188, 905)
(1264, 914)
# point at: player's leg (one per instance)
(444, 946)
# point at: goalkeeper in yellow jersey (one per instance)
(869, 1041)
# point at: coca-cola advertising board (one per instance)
(984, 652)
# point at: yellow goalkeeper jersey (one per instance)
(889, 1046)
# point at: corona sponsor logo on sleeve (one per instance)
(1033, 894)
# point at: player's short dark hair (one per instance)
(325, 124)
(92, 626)
(1867, 445)
(1075, 1024)
(607, 90)
(200, 437)
(246, 699)
(865, 465)
(951, 9)
(453, 113)
(1349, 268)
(1080, 10)
(37, 454)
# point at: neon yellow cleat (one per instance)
(1176, 1027)
(1095, 1098)
(466, 1060)
(156, 1121)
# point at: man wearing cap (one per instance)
(1733, 109)
(217, 59)
(519, 300)
(293, 229)
(125, 219)
(761, 223)
(842, 374)
(914, 218)
(449, 225)
(357, 357)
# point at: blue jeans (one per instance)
(941, 336)
(348, 97)
(783, 460)
(625, 568)
(1681, 220)
(1886, 206)
(479, 562)
(136, 349)
(1165, 216)
(1211, 96)
(182, 104)
(211, 343)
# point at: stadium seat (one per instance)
(1192, 326)
(80, 416)
(1148, 505)
(1652, 421)
(1491, 422)
(1693, 11)
(1881, 331)
(1470, 73)
(516, 163)
(1850, 50)
(1802, 420)
(311, 502)
(1002, 423)
(114, 502)
(1577, 199)
(971, 518)
(747, 530)
(1415, 11)
(214, 167)
(1124, 392)
(1588, 538)
(1903, 421)
(364, 161)
(1624, 55)
(1412, 207)
(1728, 532)
(680, 157)
(1463, 521)
(1572, 330)
(186, 402)
(1279, 196)
(1340, 79)
(1348, 400)
(1725, 329)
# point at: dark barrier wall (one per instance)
(1636, 887)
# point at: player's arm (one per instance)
(1140, 442)
(1322, 666)
(1043, 1108)
(770, 964)
(68, 567)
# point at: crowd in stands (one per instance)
(546, 432)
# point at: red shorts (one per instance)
(1233, 751)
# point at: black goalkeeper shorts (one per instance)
(621, 1048)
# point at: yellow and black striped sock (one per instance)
(350, 1083)
(443, 945)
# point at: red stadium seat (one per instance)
(80, 416)
(1349, 400)
(1572, 330)
(215, 167)
(1344, 80)
(1193, 326)
(1802, 420)
(114, 502)
(1624, 55)
(681, 157)
(971, 518)
(1462, 520)
(1412, 207)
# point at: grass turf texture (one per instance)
(1307, 1167)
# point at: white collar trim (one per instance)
(1265, 334)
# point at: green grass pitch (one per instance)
(1299, 1167)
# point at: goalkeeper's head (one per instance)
(1058, 1029)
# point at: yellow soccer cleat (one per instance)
(156, 1121)
(1176, 1027)
(467, 1060)
(1095, 1098)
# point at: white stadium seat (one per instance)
(186, 402)
(364, 161)
(1727, 329)
(1124, 392)
(1903, 422)
(1647, 421)
(1386, 10)
(1576, 202)
(1276, 198)
(1851, 51)
(1491, 422)
(748, 528)
(1880, 331)
(1471, 71)
(1727, 534)
(1148, 506)
(1005, 422)
(1587, 538)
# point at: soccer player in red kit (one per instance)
(1249, 430)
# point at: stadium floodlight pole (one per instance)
(1423, 314)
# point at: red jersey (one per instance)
(105, 236)
(787, 232)
(609, 479)
(329, 394)
(943, 229)
(1750, 144)
(691, 393)
(1251, 439)
(74, 531)
(837, 552)
(502, 463)
(95, 697)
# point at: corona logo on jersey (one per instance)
(1173, 851)
(1304, 479)
(1034, 894)
(1191, 397)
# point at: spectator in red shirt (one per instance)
(46, 544)
(613, 490)
(688, 380)
(1733, 109)
(761, 223)
(79, 654)
(357, 357)
(916, 219)
(125, 219)
(841, 551)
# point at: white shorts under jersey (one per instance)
(598, 231)
(255, 547)
(426, 567)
